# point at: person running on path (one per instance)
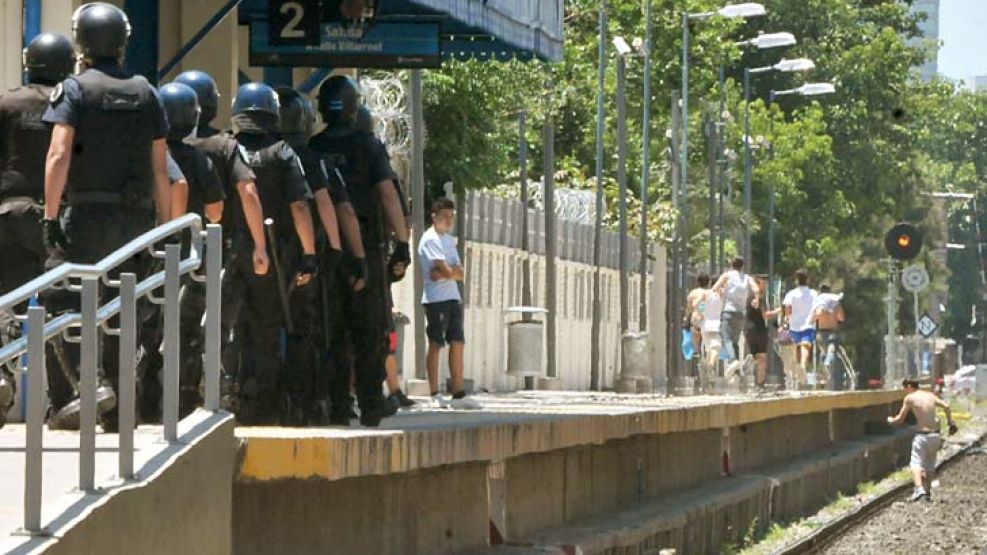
(694, 317)
(737, 288)
(798, 305)
(927, 440)
(710, 308)
(828, 316)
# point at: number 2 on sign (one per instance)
(291, 30)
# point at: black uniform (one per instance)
(203, 188)
(253, 309)
(360, 319)
(308, 369)
(109, 192)
(23, 145)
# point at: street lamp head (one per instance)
(797, 64)
(815, 89)
(746, 9)
(772, 40)
(621, 45)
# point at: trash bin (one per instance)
(400, 321)
(635, 373)
(525, 341)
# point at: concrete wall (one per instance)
(182, 505)
(429, 512)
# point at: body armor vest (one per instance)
(25, 142)
(269, 168)
(113, 139)
(351, 154)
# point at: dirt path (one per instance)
(955, 522)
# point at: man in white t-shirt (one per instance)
(798, 305)
(441, 269)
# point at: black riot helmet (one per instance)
(101, 31)
(182, 107)
(256, 109)
(205, 87)
(297, 113)
(49, 58)
(339, 99)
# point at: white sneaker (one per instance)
(918, 493)
(465, 403)
(438, 401)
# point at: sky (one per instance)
(963, 30)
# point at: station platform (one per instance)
(436, 480)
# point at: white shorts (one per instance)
(924, 449)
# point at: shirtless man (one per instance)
(927, 440)
(693, 314)
(828, 316)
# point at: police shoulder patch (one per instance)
(56, 94)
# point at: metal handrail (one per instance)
(92, 320)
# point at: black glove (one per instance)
(400, 255)
(358, 268)
(308, 265)
(53, 236)
(330, 260)
(953, 428)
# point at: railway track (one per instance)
(824, 537)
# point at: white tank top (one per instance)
(736, 292)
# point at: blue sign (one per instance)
(372, 45)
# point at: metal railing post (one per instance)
(35, 418)
(128, 378)
(214, 268)
(89, 353)
(169, 405)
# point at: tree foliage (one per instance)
(843, 167)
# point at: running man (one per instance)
(798, 305)
(927, 440)
(694, 317)
(828, 316)
(737, 288)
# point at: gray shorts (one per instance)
(924, 449)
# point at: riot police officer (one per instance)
(264, 300)
(48, 59)
(108, 156)
(208, 94)
(361, 326)
(243, 227)
(311, 376)
(203, 195)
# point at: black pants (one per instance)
(94, 231)
(259, 356)
(359, 338)
(22, 258)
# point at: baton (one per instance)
(279, 275)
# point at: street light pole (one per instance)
(645, 172)
(622, 190)
(594, 380)
(748, 168)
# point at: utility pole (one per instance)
(645, 171)
(675, 287)
(891, 339)
(622, 192)
(594, 379)
(523, 162)
(551, 298)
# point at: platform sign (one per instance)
(927, 325)
(310, 33)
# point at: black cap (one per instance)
(101, 31)
(49, 58)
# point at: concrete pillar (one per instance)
(56, 15)
(11, 37)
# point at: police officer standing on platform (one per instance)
(243, 219)
(108, 158)
(24, 138)
(264, 300)
(203, 195)
(360, 325)
(308, 367)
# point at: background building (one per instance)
(930, 31)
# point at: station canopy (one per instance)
(402, 33)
